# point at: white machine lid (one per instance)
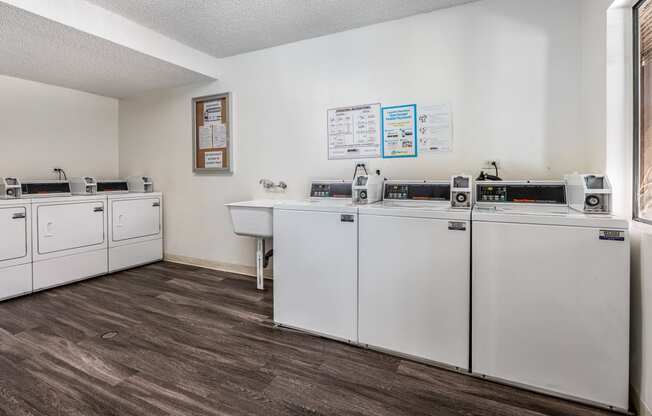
(14, 202)
(562, 216)
(416, 209)
(132, 195)
(74, 198)
(343, 205)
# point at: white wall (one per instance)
(511, 69)
(43, 126)
(593, 79)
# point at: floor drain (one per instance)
(109, 335)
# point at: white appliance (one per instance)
(368, 189)
(461, 191)
(69, 239)
(414, 274)
(140, 184)
(589, 193)
(135, 229)
(10, 188)
(15, 248)
(316, 262)
(85, 185)
(550, 294)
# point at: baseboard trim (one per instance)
(640, 406)
(214, 265)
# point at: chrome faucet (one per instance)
(267, 184)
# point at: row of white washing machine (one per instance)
(49, 237)
(521, 288)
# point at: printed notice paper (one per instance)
(219, 135)
(205, 137)
(213, 160)
(213, 112)
(399, 131)
(354, 132)
(435, 128)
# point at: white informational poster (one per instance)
(213, 160)
(213, 112)
(435, 128)
(400, 131)
(205, 137)
(219, 135)
(354, 132)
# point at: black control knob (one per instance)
(592, 201)
(363, 194)
(10, 192)
(461, 198)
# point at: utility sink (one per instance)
(253, 218)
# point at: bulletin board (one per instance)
(211, 134)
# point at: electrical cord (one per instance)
(60, 172)
(487, 177)
(495, 165)
(357, 167)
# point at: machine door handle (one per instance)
(119, 224)
(98, 209)
(19, 215)
(347, 218)
(48, 230)
(156, 204)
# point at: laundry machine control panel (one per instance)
(331, 189)
(492, 193)
(33, 189)
(522, 192)
(417, 191)
(110, 186)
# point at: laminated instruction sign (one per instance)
(435, 128)
(354, 132)
(399, 125)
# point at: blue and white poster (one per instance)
(399, 131)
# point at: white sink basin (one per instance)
(253, 218)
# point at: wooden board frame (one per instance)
(198, 155)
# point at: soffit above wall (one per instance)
(39, 49)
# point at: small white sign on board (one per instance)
(213, 160)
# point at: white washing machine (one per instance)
(69, 239)
(15, 248)
(550, 293)
(316, 262)
(135, 229)
(414, 273)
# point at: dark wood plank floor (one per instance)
(168, 339)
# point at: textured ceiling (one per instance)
(229, 27)
(38, 49)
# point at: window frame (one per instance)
(637, 116)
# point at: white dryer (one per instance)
(414, 273)
(550, 293)
(69, 239)
(135, 229)
(15, 248)
(316, 262)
